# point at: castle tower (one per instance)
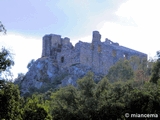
(96, 37)
(46, 46)
(50, 42)
(55, 40)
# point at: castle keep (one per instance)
(98, 56)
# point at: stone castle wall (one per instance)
(98, 56)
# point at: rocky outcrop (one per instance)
(42, 71)
(45, 71)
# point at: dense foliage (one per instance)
(6, 60)
(156, 70)
(89, 100)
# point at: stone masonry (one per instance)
(98, 56)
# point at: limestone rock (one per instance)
(43, 70)
(75, 72)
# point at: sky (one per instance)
(132, 23)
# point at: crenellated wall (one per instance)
(98, 56)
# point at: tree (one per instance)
(103, 100)
(135, 62)
(2, 28)
(64, 104)
(103, 96)
(112, 98)
(87, 85)
(102, 89)
(6, 62)
(141, 69)
(9, 93)
(88, 102)
(76, 103)
(150, 64)
(6, 59)
(156, 70)
(35, 109)
(158, 55)
(145, 100)
(121, 71)
(10, 101)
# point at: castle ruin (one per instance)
(98, 56)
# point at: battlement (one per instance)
(99, 56)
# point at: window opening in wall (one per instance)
(92, 47)
(125, 55)
(99, 48)
(62, 59)
(87, 59)
(114, 53)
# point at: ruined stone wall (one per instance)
(85, 54)
(99, 56)
(46, 46)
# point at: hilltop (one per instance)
(62, 64)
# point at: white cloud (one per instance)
(25, 48)
(138, 26)
(145, 13)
